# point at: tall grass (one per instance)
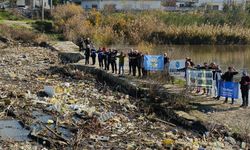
(203, 34)
(157, 27)
(22, 34)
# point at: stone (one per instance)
(230, 140)
(243, 145)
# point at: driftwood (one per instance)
(162, 121)
(56, 134)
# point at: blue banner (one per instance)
(153, 62)
(229, 89)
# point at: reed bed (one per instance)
(152, 27)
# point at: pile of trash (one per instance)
(60, 111)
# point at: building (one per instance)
(186, 3)
(33, 4)
(122, 4)
(219, 4)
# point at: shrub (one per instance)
(156, 27)
(10, 15)
(62, 13)
(43, 26)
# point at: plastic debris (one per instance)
(106, 116)
(50, 121)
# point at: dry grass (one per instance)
(134, 28)
(22, 35)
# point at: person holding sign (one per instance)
(228, 77)
(244, 87)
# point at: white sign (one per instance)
(177, 68)
(200, 78)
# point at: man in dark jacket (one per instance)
(100, 55)
(93, 55)
(134, 61)
(113, 61)
(244, 87)
(130, 55)
(108, 55)
(87, 55)
(228, 77)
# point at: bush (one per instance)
(62, 13)
(157, 27)
(43, 26)
(10, 15)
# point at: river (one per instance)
(237, 56)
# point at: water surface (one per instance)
(237, 56)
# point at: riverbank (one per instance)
(196, 112)
(71, 117)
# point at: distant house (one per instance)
(183, 5)
(33, 4)
(219, 4)
(186, 3)
(122, 4)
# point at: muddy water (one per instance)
(224, 55)
(238, 56)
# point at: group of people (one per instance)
(108, 57)
(218, 76)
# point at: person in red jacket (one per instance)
(244, 87)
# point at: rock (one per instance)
(170, 135)
(243, 145)
(70, 57)
(103, 138)
(185, 115)
(230, 140)
(175, 131)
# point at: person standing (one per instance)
(244, 87)
(113, 61)
(93, 55)
(87, 54)
(144, 71)
(105, 58)
(216, 77)
(134, 62)
(228, 77)
(138, 63)
(121, 63)
(130, 54)
(100, 55)
(166, 62)
(108, 55)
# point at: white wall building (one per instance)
(218, 4)
(33, 3)
(122, 4)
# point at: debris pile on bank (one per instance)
(71, 109)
